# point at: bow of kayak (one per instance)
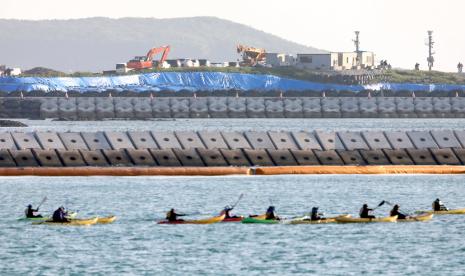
(74, 222)
(421, 217)
(106, 220)
(198, 221)
(365, 220)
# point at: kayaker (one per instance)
(365, 212)
(315, 215)
(227, 212)
(439, 206)
(270, 214)
(30, 212)
(173, 216)
(395, 212)
(60, 215)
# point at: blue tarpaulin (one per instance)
(195, 81)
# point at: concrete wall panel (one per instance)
(94, 158)
(117, 157)
(282, 140)
(71, 158)
(49, 140)
(282, 157)
(47, 158)
(445, 156)
(421, 156)
(351, 157)
(5, 159)
(352, 140)
(398, 157)
(96, 140)
(166, 140)
(329, 157)
(235, 157)
(24, 158)
(258, 157)
(306, 140)
(118, 140)
(142, 140)
(189, 157)
(189, 139)
(25, 140)
(72, 140)
(375, 157)
(460, 153)
(376, 140)
(329, 140)
(398, 140)
(305, 157)
(212, 157)
(236, 140)
(165, 157)
(6, 141)
(213, 140)
(460, 134)
(141, 157)
(445, 139)
(422, 139)
(259, 140)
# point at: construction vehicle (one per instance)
(146, 62)
(251, 56)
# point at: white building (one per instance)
(336, 61)
(279, 59)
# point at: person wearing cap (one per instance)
(270, 214)
(30, 213)
(439, 206)
(365, 212)
(60, 215)
(395, 212)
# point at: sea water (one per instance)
(135, 244)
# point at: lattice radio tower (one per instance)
(430, 45)
(357, 46)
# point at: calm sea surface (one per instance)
(136, 245)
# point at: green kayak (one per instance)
(264, 221)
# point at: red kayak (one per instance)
(233, 219)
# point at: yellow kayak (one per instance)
(421, 217)
(321, 221)
(106, 220)
(365, 220)
(74, 222)
(449, 212)
(198, 221)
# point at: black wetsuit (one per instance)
(365, 213)
(30, 213)
(398, 214)
(59, 216)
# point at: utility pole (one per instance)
(430, 44)
(357, 47)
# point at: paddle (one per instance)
(237, 201)
(42, 202)
(379, 205)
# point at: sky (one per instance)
(396, 30)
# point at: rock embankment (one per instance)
(9, 123)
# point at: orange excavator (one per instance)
(146, 62)
(251, 56)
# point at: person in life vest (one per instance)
(60, 215)
(270, 214)
(227, 212)
(315, 215)
(365, 212)
(172, 216)
(439, 206)
(395, 212)
(30, 213)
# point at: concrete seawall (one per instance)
(224, 149)
(97, 108)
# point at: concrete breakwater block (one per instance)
(96, 140)
(398, 157)
(94, 158)
(235, 157)
(328, 157)
(213, 140)
(24, 158)
(165, 157)
(141, 157)
(212, 157)
(6, 160)
(142, 140)
(47, 158)
(72, 140)
(305, 157)
(282, 157)
(6, 141)
(49, 140)
(421, 156)
(375, 157)
(258, 157)
(71, 158)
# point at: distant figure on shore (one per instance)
(417, 66)
(460, 67)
